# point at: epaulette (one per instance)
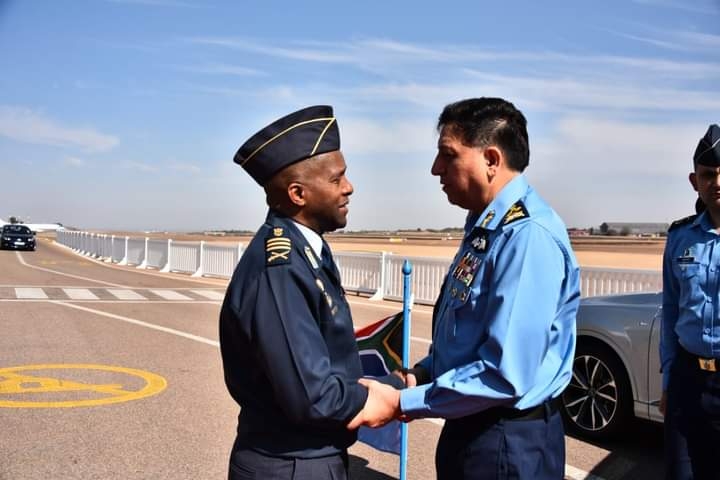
(681, 222)
(516, 212)
(277, 247)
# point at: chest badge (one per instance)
(311, 257)
(466, 268)
(687, 257)
(479, 243)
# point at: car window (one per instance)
(16, 229)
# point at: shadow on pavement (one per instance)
(636, 454)
(359, 470)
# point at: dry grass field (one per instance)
(604, 252)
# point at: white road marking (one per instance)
(170, 295)
(211, 294)
(22, 261)
(33, 293)
(80, 294)
(123, 294)
(140, 323)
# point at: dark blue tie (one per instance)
(326, 257)
(328, 264)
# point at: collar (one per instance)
(704, 222)
(490, 218)
(312, 238)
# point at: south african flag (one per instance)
(380, 345)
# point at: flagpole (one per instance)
(407, 271)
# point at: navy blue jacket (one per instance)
(288, 347)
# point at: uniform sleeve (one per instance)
(294, 355)
(670, 311)
(525, 287)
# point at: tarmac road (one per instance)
(112, 372)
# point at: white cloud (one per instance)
(26, 125)
(159, 3)
(593, 169)
(223, 69)
(74, 162)
(364, 136)
(184, 167)
(143, 167)
(695, 6)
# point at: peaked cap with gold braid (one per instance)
(294, 137)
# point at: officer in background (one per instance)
(690, 341)
(504, 324)
(286, 334)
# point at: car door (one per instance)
(653, 365)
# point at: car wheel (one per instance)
(598, 401)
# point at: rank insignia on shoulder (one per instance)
(681, 222)
(278, 249)
(516, 212)
(488, 218)
(278, 231)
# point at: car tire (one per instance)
(598, 402)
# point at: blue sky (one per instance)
(126, 114)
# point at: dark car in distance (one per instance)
(17, 237)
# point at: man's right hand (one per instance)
(412, 377)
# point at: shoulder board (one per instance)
(516, 212)
(277, 247)
(681, 222)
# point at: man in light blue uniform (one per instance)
(504, 324)
(690, 341)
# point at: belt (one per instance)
(493, 415)
(704, 364)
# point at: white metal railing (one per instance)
(379, 274)
(184, 257)
(361, 272)
(605, 281)
(157, 253)
(220, 260)
(427, 276)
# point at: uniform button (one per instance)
(709, 300)
(707, 331)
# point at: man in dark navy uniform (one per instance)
(690, 341)
(286, 334)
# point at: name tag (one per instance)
(707, 364)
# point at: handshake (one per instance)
(383, 400)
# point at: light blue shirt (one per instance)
(504, 324)
(691, 317)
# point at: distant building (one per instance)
(578, 232)
(638, 229)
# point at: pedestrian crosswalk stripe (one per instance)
(211, 294)
(95, 294)
(34, 293)
(170, 295)
(79, 294)
(125, 294)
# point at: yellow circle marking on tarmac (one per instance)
(16, 381)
